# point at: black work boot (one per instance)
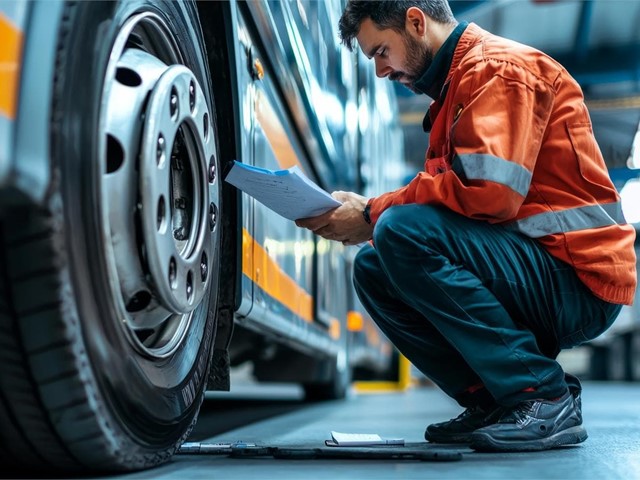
(534, 425)
(459, 429)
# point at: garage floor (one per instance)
(611, 413)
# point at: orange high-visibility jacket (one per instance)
(512, 143)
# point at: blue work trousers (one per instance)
(476, 307)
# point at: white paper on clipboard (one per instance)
(287, 192)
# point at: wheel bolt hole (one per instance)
(204, 267)
(192, 96)
(139, 301)
(173, 103)
(128, 77)
(160, 154)
(189, 285)
(115, 154)
(173, 273)
(162, 214)
(213, 216)
(212, 169)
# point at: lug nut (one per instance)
(160, 149)
(212, 216)
(160, 213)
(180, 203)
(192, 95)
(212, 170)
(173, 102)
(173, 270)
(180, 233)
(189, 285)
(204, 269)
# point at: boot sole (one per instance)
(483, 442)
(463, 438)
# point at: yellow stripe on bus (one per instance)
(268, 275)
(10, 53)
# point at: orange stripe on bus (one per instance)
(334, 328)
(247, 254)
(268, 275)
(257, 264)
(10, 53)
(275, 133)
(355, 321)
(371, 332)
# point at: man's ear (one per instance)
(416, 21)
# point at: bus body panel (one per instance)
(308, 110)
(24, 158)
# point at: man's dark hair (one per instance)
(388, 14)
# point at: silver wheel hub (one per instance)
(160, 190)
(174, 189)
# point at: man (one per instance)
(509, 247)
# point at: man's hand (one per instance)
(344, 224)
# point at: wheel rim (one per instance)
(159, 187)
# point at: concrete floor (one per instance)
(611, 415)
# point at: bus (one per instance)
(132, 277)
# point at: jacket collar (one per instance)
(468, 39)
(432, 81)
(442, 71)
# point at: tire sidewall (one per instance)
(149, 402)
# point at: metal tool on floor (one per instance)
(418, 451)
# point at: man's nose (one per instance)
(382, 68)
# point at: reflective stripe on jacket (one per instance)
(512, 143)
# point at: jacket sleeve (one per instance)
(493, 144)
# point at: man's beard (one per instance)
(419, 59)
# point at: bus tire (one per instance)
(339, 375)
(108, 293)
(633, 356)
(616, 358)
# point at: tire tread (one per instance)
(28, 435)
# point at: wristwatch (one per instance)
(366, 213)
